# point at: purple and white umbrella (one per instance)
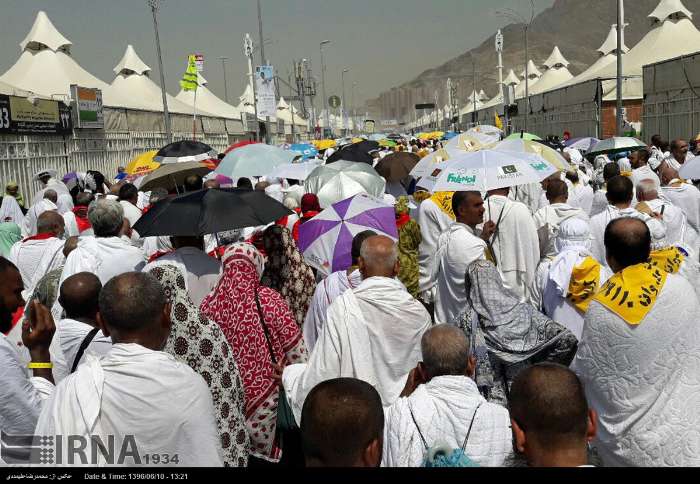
(326, 239)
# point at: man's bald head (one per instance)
(83, 199)
(261, 186)
(668, 173)
(445, 350)
(557, 191)
(50, 222)
(80, 295)
(51, 195)
(647, 191)
(342, 424)
(627, 243)
(548, 404)
(133, 309)
(379, 257)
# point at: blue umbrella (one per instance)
(306, 151)
(449, 135)
(254, 160)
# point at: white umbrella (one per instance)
(295, 171)
(344, 179)
(489, 170)
(616, 144)
(426, 165)
(691, 169)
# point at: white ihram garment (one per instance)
(373, 333)
(136, 391)
(35, 259)
(106, 257)
(433, 222)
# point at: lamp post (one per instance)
(620, 43)
(323, 85)
(223, 65)
(354, 110)
(513, 15)
(166, 114)
(248, 51)
(344, 110)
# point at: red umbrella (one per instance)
(240, 144)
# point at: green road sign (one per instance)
(334, 102)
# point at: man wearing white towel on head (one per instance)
(106, 254)
(682, 194)
(550, 217)
(372, 333)
(48, 203)
(637, 357)
(678, 231)
(515, 244)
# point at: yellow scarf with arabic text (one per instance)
(584, 283)
(444, 201)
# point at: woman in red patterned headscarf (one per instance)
(310, 207)
(236, 305)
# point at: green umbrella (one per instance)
(523, 135)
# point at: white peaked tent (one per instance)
(207, 101)
(284, 112)
(247, 102)
(511, 79)
(534, 74)
(608, 56)
(482, 96)
(133, 84)
(46, 67)
(673, 35)
(556, 73)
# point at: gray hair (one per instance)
(106, 217)
(647, 189)
(132, 301)
(377, 259)
(290, 203)
(445, 350)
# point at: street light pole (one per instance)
(344, 110)
(248, 50)
(354, 110)
(263, 62)
(166, 114)
(323, 84)
(223, 65)
(620, 29)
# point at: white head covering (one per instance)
(46, 171)
(275, 191)
(10, 211)
(64, 203)
(575, 155)
(600, 161)
(624, 164)
(572, 241)
(290, 203)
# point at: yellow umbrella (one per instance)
(142, 164)
(437, 134)
(356, 140)
(324, 144)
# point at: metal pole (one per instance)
(344, 110)
(620, 27)
(474, 101)
(263, 62)
(527, 83)
(166, 113)
(255, 97)
(223, 65)
(323, 84)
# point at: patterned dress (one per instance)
(287, 273)
(197, 341)
(236, 305)
(409, 241)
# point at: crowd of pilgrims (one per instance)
(541, 325)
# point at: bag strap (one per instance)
(265, 330)
(425, 444)
(464, 445)
(83, 346)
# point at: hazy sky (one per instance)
(383, 42)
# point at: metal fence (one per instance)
(21, 156)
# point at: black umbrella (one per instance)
(356, 152)
(208, 212)
(187, 150)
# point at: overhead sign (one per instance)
(369, 126)
(199, 61)
(389, 122)
(20, 116)
(87, 103)
(265, 83)
(334, 102)
(425, 106)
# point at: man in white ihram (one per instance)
(46, 204)
(442, 407)
(433, 221)
(683, 195)
(373, 332)
(457, 248)
(515, 242)
(678, 231)
(106, 254)
(638, 358)
(144, 399)
(38, 255)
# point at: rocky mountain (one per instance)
(578, 27)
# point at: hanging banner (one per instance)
(265, 83)
(20, 116)
(87, 103)
(199, 62)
